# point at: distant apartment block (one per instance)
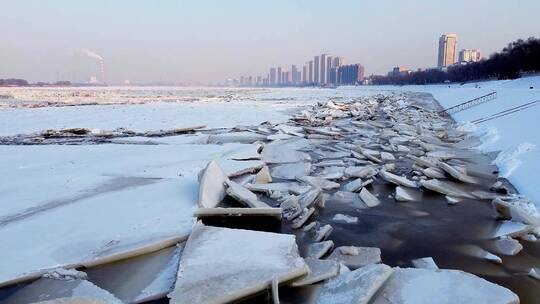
(447, 50)
(351, 74)
(316, 70)
(310, 71)
(273, 78)
(323, 68)
(468, 55)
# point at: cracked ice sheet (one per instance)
(65, 174)
(89, 196)
(220, 265)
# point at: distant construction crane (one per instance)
(468, 104)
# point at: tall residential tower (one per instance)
(447, 50)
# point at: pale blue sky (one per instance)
(144, 40)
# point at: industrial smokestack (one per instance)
(90, 54)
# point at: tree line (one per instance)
(511, 62)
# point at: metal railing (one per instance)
(468, 104)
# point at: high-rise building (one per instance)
(323, 68)
(466, 55)
(447, 50)
(279, 76)
(273, 77)
(316, 69)
(310, 78)
(329, 66)
(338, 61)
(351, 74)
(294, 75)
(304, 73)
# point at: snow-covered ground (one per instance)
(517, 135)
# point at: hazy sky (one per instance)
(149, 40)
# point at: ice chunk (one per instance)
(457, 174)
(126, 281)
(518, 209)
(302, 219)
(355, 257)
(345, 218)
(243, 195)
(318, 250)
(385, 156)
(508, 246)
(511, 228)
(425, 263)
(318, 182)
(291, 187)
(212, 186)
(424, 286)
(74, 290)
(212, 212)
(369, 199)
(221, 265)
(361, 172)
(354, 185)
(291, 171)
(407, 195)
(263, 176)
(445, 187)
(235, 137)
(433, 172)
(398, 180)
(357, 286)
(323, 232)
(320, 270)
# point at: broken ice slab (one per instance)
(396, 179)
(357, 286)
(234, 168)
(511, 228)
(407, 195)
(263, 176)
(235, 137)
(318, 182)
(517, 208)
(319, 270)
(413, 285)
(353, 186)
(433, 172)
(345, 218)
(507, 246)
(369, 199)
(478, 252)
(213, 256)
(332, 172)
(212, 186)
(386, 157)
(213, 212)
(425, 263)
(291, 130)
(323, 232)
(67, 290)
(330, 163)
(355, 257)
(360, 172)
(318, 250)
(315, 196)
(457, 174)
(302, 219)
(350, 198)
(139, 279)
(292, 187)
(243, 195)
(285, 151)
(446, 187)
(291, 171)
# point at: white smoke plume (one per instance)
(90, 54)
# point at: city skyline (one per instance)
(210, 41)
